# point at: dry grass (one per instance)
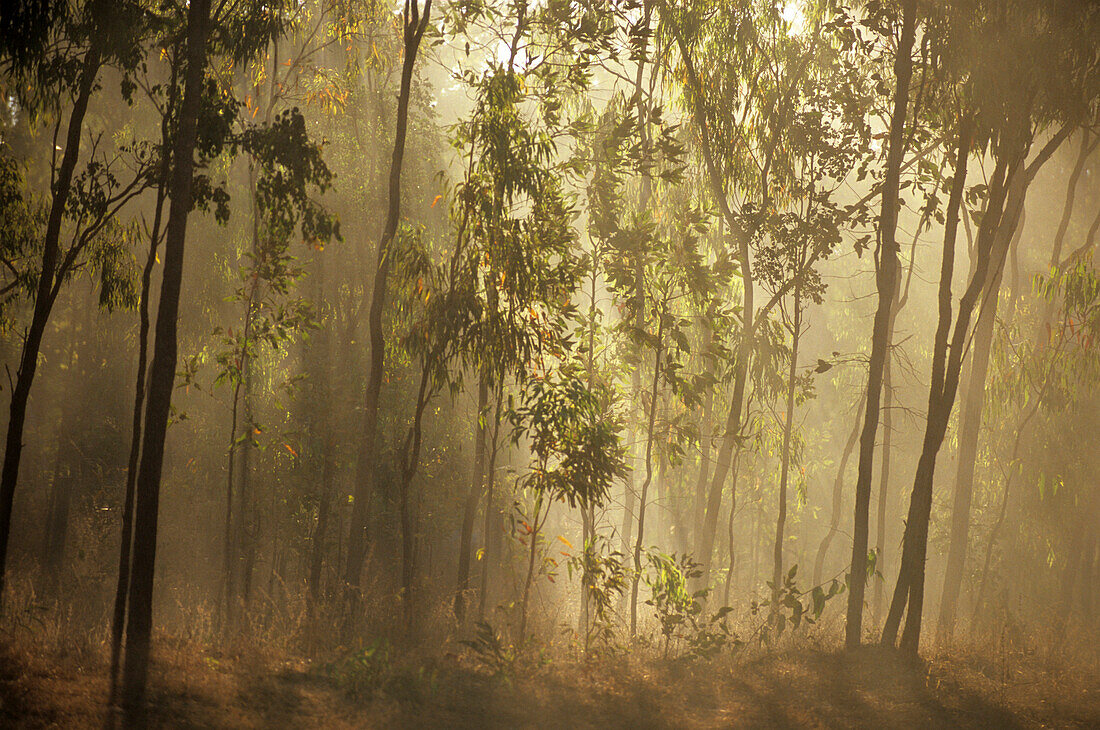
(803, 685)
(287, 673)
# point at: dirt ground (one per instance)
(795, 689)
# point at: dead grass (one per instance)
(198, 686)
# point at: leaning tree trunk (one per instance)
(1008, 238)
(43, 303)
(970, 422)
(886, 277)
(163, 369)
(1008, 190)
(946, 366)
(415, 24)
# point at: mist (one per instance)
(643, 363)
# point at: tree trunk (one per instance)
(122, 586)
(785, 468)
(730, 537)
(473, 496)
(43, 303)
(494, 520)
(322, 375)
(946, 367)
(414, 25)
(838, 495)
(64, 475)
(884, 476)
(886, 277)
(699, 502)
(970, 423)
(57, 513)
(648, 478)
(163, 370)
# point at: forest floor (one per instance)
(796, 688)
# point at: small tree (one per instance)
(576, 455)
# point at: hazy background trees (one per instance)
(596, 315)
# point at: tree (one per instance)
(575, 456)
(886, 272)
(102, 33)
(1009, 112)
(414, 23)
(163, 367)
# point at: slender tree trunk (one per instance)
(324, 516)
(43, 303)
(704, 548)
(122, 586)
(494, 520)
(946, 366)
(838, 495)
(886, 277)
(410, 463)
(536, 525)
(699, 501)
(785, 467)
(248, 526)
(645, 194)
(969, 428)
(62, 484)
(230, 533)
(900, 300)
(706, 437)
(322, 375)
(648, 478)
(414, 25)
(51, 563)
(163, 370)
(57, 514)
(730, 538)
(884, 476)
(473, 496)
(588, 511)
(1087, 146)
(970, 423)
